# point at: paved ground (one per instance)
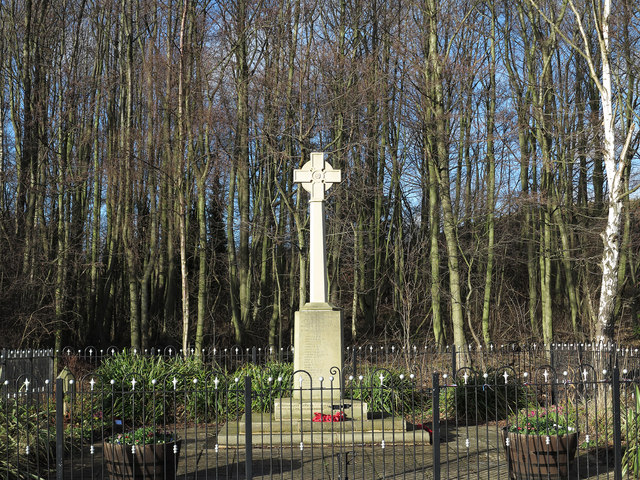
(480, 458)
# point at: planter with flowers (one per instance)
(144, 453)
(541, 443)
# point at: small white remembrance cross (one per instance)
(316, 176)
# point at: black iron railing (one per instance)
(421, 359)
(386, 416)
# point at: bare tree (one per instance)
(599, 63)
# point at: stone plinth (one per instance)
(291, 423)
(292, 430)
(318, 351)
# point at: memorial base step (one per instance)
(391, 430)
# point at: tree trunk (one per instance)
(242, 166)
(433, 74)
(491, 180)
(181, 180)
(434, 252)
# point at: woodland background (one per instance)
(148, 147)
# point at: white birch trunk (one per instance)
(611, 235)
(614, 168)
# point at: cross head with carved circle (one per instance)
(316, 176)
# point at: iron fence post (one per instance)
(59, 428)
(617, 434)
(248, 462)
(436, 426)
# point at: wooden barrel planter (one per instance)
(153, 462)
(531, 457)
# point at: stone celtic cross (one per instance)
(316, 176)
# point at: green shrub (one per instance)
(268, 383)
(551, 420)
(390, 391)
(142, 436)
(127, 365)
(482, 396)
(168, 389)
(20, 426)
(164, 388)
